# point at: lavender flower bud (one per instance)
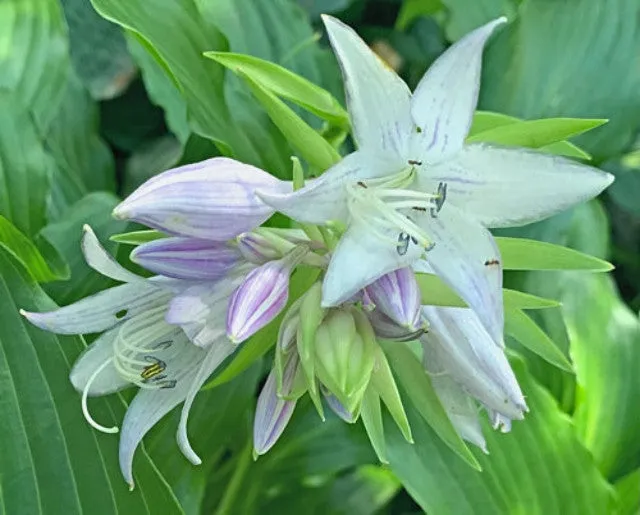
(214, 199)
(397, 295)
(272, 416)
(186, 258)
(260, 297)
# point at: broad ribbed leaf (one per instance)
(98, 50)
(25, 251)
(65, 235)
(521, 79)
(84, 162)
(34, 60)
(25, 167)
(534, 469)
(52, 461)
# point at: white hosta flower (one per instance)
(464, 364)
(138, 347)
(414, 188)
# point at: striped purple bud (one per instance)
(214, 199)
(397, 296)
(187, 258)
(260, 297)
(272, 416)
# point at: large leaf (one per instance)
(52, 461)
(65, 235)
(25, 251)
(533, 470)
(98, 50)
(25, 168)
(465, 16)
(33, 55)
(84, 162)
(522, 79)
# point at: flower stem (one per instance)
(233, 488)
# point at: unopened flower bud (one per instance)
(186, 258)
(344, 356)
(272, 416)
(397, 295)
(260, 297)
(256, 248)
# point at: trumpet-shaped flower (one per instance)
(137, 347)
(465, 364)
(414, 189)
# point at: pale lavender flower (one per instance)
(137, 347)
(214, 199)
(463, 359)
(414, 186)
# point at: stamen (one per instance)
(136, 344)
(85, 409)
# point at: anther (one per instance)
(362, 184)
(403, 243)
(418, 208)
(414, 162)
(490, 262)
(441, 196)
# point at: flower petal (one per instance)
(505, 187)
(214, 199)
(461, 409)
(271, 417)
(201, 310)
(101, 261)
(101, 311)
(445, 99)
(325, 198)
(92, 358)
(379, 101)
(467, 353)
(217, 353)
(466, 258)
(361, 257)
(187, 258)
(150, 405)
(338, 408)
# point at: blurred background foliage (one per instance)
(96, 98)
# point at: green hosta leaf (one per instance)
(414, 382)
(413, 9)
(605, 346)
(437, 293)
(84, 162)
(98, 50)
(65, 235)
(531, 470)
(464, 16)
(52, 461)
(524, 254)
(34, 59)
(529, 334)
(536, 133)
(523, 81)
(25, 167)
(309, 144)
(284, 83)
(487, 121)
(137, 237)
(628, 494)
(23, 249)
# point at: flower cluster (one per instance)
(413, 197)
